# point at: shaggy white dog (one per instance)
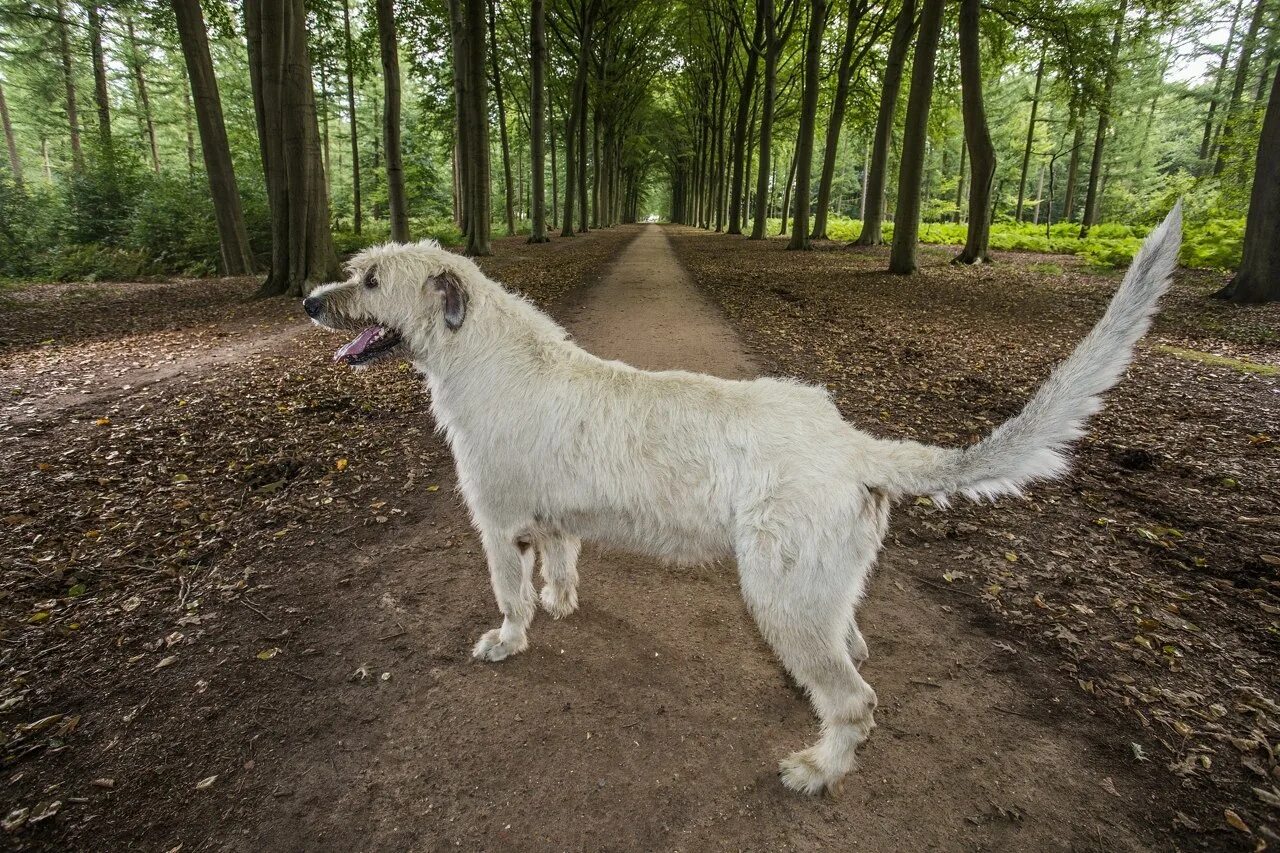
(554, 446)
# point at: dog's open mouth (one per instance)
(372, 344)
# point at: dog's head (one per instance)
(403, 299)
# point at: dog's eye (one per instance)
(371, 280)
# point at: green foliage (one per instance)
(1215, 243)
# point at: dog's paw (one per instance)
(801, 772)
(559, 601)
(492, 647)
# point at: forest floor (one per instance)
(238, 591)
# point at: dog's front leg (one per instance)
(511, 560)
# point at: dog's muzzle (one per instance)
(313, 305)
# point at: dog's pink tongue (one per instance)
(356, 346)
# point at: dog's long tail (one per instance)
(1032, 445)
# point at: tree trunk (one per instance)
(477, 116)
(1073, 173)
(745, 103)
(502, 119)
(537, 111)
(1219, 76)
(844, 74)
(356, 214)
(873, 191)
(785, 210)
(1230, 114)
(188, 118)
(808, 122)
(100, 95)
(15, 163)
(144, 100)
(1259, 277)
(964, 164)
(389, 50)
(773, 45)
(461, 144)
(555, 173)
(302, 251)
(237, 256)
(584, 213)
(1031, 136)
(982, 154)
(69, 79)
(906, 228)
(1104, 121)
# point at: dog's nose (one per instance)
(312, 305)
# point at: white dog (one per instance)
(554, 446)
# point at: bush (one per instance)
(96, 261)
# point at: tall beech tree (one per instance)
(469, 31)
(101, 98)
(906, 229)
(1258, 279)
(747, 99)
(849, 62)
(537, 121)
(982, 154)
(1031, 136)
(390, 52)
(1104, 122)
(496, 72)
(237, 256)
(145, 116)
(777, 29)
(353, 122)
(302, 253)
(11, 143)
(891, 83)
(69, 81)
(808, 121)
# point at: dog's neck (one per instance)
(482, 369)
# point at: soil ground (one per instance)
(239, 592)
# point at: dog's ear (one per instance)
(455, 299)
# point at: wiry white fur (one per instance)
(554, 445)
(1032, 445)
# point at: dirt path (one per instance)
(655, 716)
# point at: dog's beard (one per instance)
(373, 344)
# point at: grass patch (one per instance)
(1219, 360)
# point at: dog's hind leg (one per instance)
(803, 612)
(560, 572)
(854, 640)
(511, 562)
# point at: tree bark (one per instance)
(1031, 136)
(982, 154)
(873, 191)
(302, 252)
(237, 256)
(745, 103)
(69, 79)
(774, 42)
(537, 111)
(844, 74)
(15, 162)
(389, 50)
(1073, 173)
(100, 95)
(1259, 277)
(1218, 77)
(1104, 122)
(1230, 114)
(357, 216)
(906, 228)
(502, 119)
(144, 100)
(808, 122)
(785, 209)
(477, 117)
